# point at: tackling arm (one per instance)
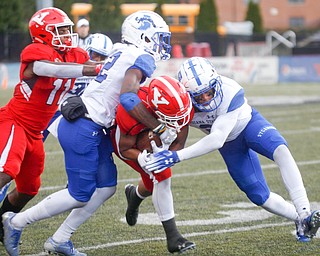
(220, 130)
(131, 102)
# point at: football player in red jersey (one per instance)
(49, 66)
(166, 99)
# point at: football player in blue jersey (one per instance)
(83, 132)
(240, 133)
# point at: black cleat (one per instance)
(180, 245)
(132, 212)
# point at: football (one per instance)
(144, 138)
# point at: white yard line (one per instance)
(194, 173)
(194, 234)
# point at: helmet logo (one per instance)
(39, 19)
(158, 99)
(146, 22)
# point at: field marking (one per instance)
(189, 174)
(194, 234)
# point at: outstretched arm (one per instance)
(59, 69)
(220, 130)
(219, 133)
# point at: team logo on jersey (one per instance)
(158, 99)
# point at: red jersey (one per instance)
(36, 100)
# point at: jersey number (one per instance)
(57, 85)
(107, 65)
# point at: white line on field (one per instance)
(192, 140)
(205, 233)
(194, 173)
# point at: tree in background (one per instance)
(207, 18)
(159, 7)
(11, 13)
(106, 16)
(254, 15)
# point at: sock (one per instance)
(277, 205)
(162, 199)
(292, 180)
(54, 204)
(79, 215)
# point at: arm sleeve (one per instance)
(47, 69)
(220, 130)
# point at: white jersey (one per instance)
(233, 99)
(101, 97)
(223, 124)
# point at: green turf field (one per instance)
(210, 209)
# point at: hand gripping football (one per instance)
(144, 138)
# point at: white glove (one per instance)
(143, 159)
(167, 137)
(156, 149)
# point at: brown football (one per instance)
(144, 138)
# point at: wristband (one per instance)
(159, 129)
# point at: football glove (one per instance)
(143, 158)
(156, 149)
(167, 137)
(161, 161)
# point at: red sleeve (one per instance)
(77, 55)
(127, 124)
(37, 51)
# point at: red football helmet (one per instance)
(43, 27)
(170, 101)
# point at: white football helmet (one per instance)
(147, 29)
(100, 44)
(198, 75)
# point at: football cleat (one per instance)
(300, 229)
(3, 191)
(132, 212)
(11, 235)
(180, 245)
(67, 248)
(312, 224)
